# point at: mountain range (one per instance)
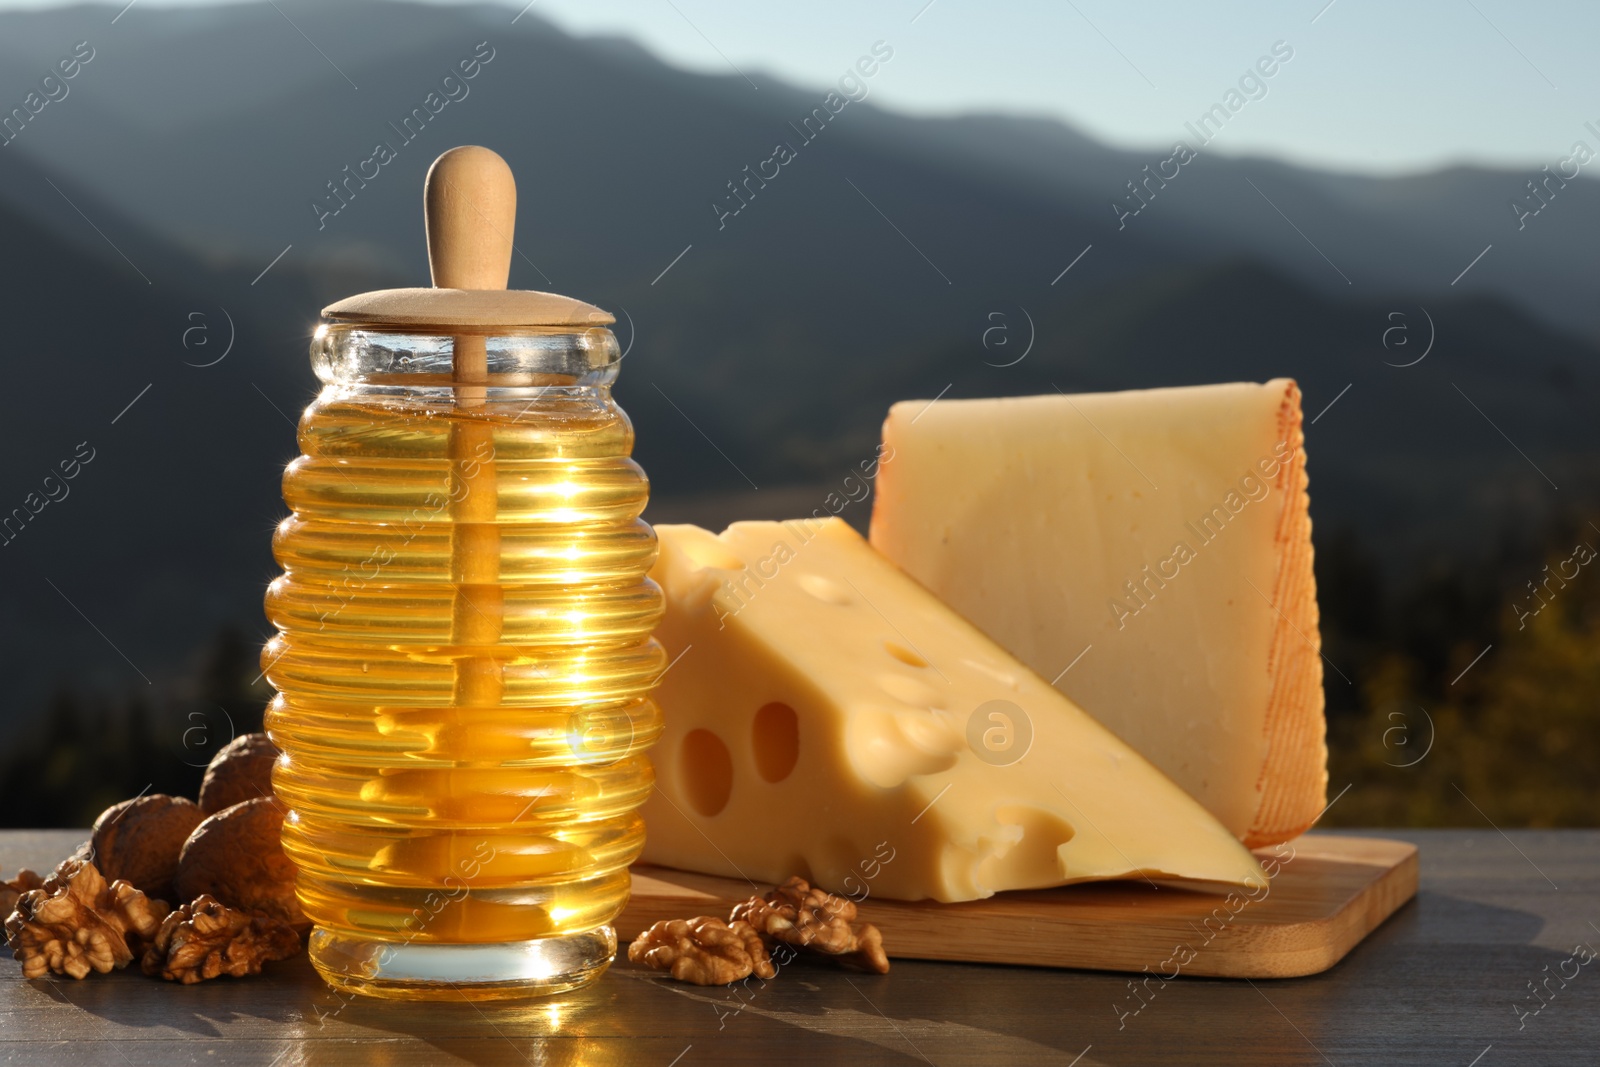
(182, 196)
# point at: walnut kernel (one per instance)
(12, 890)
(799, 914)
(703, 950)
(204, 939)
(84, 925)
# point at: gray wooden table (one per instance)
(1448, 980)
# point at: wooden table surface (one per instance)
(1447, 980)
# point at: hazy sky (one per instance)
(1373, 86)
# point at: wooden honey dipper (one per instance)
(470, 209)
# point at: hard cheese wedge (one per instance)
(827, 716)
(1150, 552)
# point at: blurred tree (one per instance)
(1353, 605)
(1514, 740)
(89, 753)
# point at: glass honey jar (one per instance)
(463, 661)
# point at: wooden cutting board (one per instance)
(1327, 893)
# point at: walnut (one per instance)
(703, 950)
(796, 913)
(241, 771)
(63, 872)
(203, 939)
(10, 891)
(84, 925)
(138, 841)
(237, 857)
(68, 867)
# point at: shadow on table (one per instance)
(256, 1006)
(1439, 979)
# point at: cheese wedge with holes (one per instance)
(826, 716)
(1150, 551)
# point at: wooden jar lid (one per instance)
(465, 308)
(470, 207)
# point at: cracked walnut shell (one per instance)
(138, 841)
(204, 939)
(240, 771)
(800, 914)
(84, 925)
(703, 950)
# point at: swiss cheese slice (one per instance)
(1148, 551)
(826, 716)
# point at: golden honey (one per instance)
(463, 662)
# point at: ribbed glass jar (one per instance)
(464, 661)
